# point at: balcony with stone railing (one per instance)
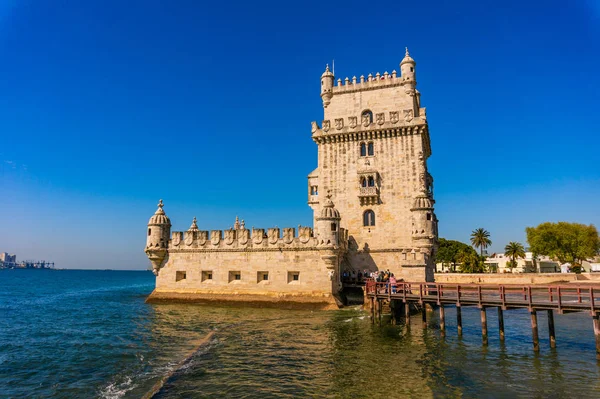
(368, 195)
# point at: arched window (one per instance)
(363, 182)
(371, 181)
(366, 116)
(363, 150)
(370, 148)
(369, 218)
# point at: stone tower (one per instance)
(157, 241)
(373, 147)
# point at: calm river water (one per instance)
(86, 334)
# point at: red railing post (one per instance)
(458, 294)
(439, 288)
(550, 291)
(558, 293)
(503, 295)
(479, 294)
(592, 300)
(529, 295)
(578, 295)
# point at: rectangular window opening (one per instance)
(207, 275)
(235, 276)
(180, 275)
(262, 276)
(293, 277)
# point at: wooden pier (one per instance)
(550, 298)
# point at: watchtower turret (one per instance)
(157, 241)
(408, 70)
(328, 224)
(327, 86)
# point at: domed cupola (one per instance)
(422, 202)
(329, 211)
(159, 217)
(408, 70)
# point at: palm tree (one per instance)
(514, 250)
(480, 238)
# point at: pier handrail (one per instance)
(561, 297)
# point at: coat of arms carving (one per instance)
(380, 118)
(215, 237)
(288, 235)
(408, 115)
(326, 126)
(244, 235)
(352, 121)
(176, 238)
(273, 235)
(229, 236)
(304, 233)
(257, 235)
(189, 238)
(366, 120)
(202, 237)
(394, 117)
(339, 123)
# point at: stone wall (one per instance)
(270, 274)
(505, 278)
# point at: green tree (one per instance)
(448, 251)
(567, 242)
(480, 238)
(470, 262)
(514, 250)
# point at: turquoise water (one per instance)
(89, 334)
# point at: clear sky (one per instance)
(107, 106)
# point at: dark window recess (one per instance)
(363, 150)
(369, 218)
(370, 148)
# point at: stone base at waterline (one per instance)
(280, 301)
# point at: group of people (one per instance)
(381, 276)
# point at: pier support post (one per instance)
(551, 329)
(379, 306)
(407, 313)
(534, 331)
(442, 320)
(501, 323)
(596, 320)
(424, 315)
(372, 301)
(484, 331)
(459, 320)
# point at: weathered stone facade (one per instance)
(373, 146)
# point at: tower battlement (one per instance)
(255, 238)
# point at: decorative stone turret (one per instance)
(327, 86)
(408, 69)
(194, 226)
(328, 224)
(157, 242)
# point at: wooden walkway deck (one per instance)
(560, 298)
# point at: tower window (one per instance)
(429, 216)
(149, 231)
(314, 190)
(363, 182)
(363, 150)
(369, 218)
(293, 277)
(367, 115)
(207, 275)
(333, 227)
(370, 149)
(262, 276)
(412, 69)
(371, 181)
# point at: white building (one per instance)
(529, 264)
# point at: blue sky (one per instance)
(107, 106)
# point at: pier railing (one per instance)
(561, 298)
